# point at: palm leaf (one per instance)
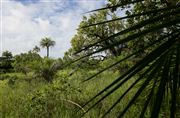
(129, 56)
(136, 68)
(160, 66)
(175, 83)
(140, 78)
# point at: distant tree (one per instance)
(7, 54)
(36, 49)
(46, 43)
(6, 61)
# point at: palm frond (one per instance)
(159, 68)
(136, 68)
(131, 55)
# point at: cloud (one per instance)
(26, 22)
(87, 5)
(44, 24)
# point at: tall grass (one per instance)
(63, 98)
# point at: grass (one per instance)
(61, 99)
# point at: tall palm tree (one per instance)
(46, 43)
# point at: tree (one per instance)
(46, 43)
(6, 61)
(7, 54)
(158, 69)
(36, 49)
(90, 35)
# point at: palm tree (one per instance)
(46, 43)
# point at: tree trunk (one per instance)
(47, 52)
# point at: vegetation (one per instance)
(6, 62)
(125, 67)
(157, 65)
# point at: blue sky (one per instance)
(25, 22)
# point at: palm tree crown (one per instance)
(46, 43)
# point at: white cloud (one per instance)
(24, 24)
(43, 24)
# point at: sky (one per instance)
(25, 22)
